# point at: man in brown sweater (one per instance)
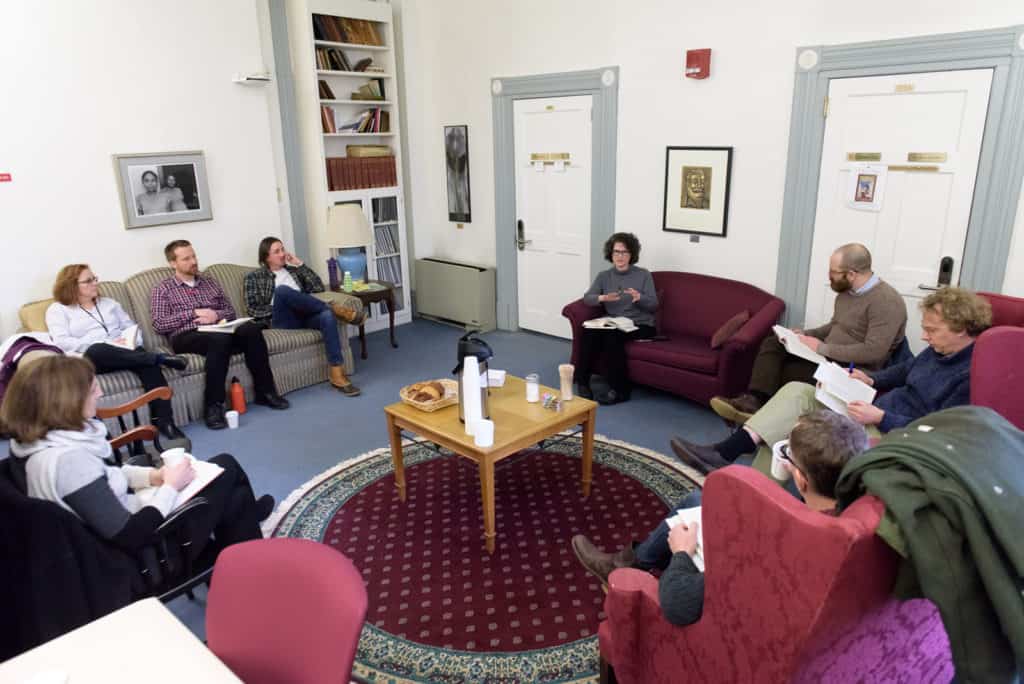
(867, 326)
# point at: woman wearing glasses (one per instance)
(625, 290)
(82, 322)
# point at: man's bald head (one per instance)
(854, 257)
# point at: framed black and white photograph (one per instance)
(456, 155)
(162, 188)
(697, 190)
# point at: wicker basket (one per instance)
(450, 398)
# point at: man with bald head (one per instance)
(868, 324)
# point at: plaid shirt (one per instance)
(259, 288)
(173, 304)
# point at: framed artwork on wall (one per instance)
(697, 190)
(161, 188)
(456, 155)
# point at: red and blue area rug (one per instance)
(441, 609)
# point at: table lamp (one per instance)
(349, 232)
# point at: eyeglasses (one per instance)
(840, 271)
(620, 252)
(89, 281)
(784, 452)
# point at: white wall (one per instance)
(81, 81)
(452, 48)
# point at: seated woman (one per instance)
(59, 454)
(279, 294)
(936, 379)
(82, 322)
(623, 290)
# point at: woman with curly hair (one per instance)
(623, 290)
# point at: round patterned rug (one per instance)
(441, 609)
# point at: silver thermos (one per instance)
(470, 345)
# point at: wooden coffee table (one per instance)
(517, 425)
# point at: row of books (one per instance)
(390, 269)
(333, 59)
(358, 173)
(372, 90)
(345, 30)
(385, 209)
(368, 121)
(386, 239)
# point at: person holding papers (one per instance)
(936, 379)
(868, 324)
(186, 301)
(83, 322)
(59, 454)
(625, 291)
(820, 444)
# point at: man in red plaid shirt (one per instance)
(187, 300)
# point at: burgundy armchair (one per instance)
(691, 307)
(791, 595)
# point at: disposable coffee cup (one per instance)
(780, 471)
(483, 435)
(173, 456)
(232, 418)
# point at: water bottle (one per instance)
(347, 283)
(237, 396)
(332, 273)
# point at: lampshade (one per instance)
(347, 226)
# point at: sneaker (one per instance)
(597, 562)
(737, 410)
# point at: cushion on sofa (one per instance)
(729, 328)
(33, 315)
(691, 353)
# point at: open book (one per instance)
(837, 388)
(129, 340)
(791, 341)
(206, 473)
(224, 326)
(611, 323)
(688, 516)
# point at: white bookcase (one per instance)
(384, 207)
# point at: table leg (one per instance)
(362, 341)
(395, 435)
(391, 317)
(487, 496)
(588, 449)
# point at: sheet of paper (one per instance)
(839, 383)
(688, 516)
(206, 473)
(831, 401)
(224, 327)
(795, 347)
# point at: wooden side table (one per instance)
(367, 297)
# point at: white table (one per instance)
(141, 643)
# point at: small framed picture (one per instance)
(865, 187)
(697, 190)
(161, 188)
(456, 155)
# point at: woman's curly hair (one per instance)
(628, 239)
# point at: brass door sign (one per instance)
(864, 156)
(927, 157)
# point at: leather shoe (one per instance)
(583, 390)
(170, 430)
(703, 459)
(214, 417)
(611, 397)
(736, 410)
(346, 314)
(174, 361)
(273, 400)
(597, 562)
(264, 507)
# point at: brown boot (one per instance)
(341, 381)
(346, 314)
(598, 563)
(736, 410)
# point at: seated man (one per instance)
(278, 294)
(187, 300)
(820, 445)
(868, 324)
(937, 378)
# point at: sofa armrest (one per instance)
(759, 325)
(577, 312)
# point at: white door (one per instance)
(553, 170)
(910, 208)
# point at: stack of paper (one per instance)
(224, 326)
(837, 388)
(688, 516)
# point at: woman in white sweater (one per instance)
(82, 322)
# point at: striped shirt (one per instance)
(174, 303)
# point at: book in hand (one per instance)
(224, 326)
(837, 388)
(688, 516)
(206, 473)
(611, 323)
(791, 341)
(129, 340)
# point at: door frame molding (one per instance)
(1000, 165)
(603, 86)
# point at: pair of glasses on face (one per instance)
(620, 252)
(788, 457)
(89, 281)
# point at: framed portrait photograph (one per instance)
(456, 155)
(697, 190)
(161, 188)
(866, 186)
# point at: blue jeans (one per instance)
(653, 553)
(294, 310)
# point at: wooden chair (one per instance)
(134, 438)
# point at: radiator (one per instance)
(453, 292)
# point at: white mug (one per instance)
(780, 469)
(232, 418)
(173, 456)
(483, 435)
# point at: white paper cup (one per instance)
(173, 456)
(232, 418)
(483, 435)
(780, 471)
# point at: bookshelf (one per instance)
(329, 73)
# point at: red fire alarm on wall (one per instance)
(698, 63)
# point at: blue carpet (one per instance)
(283, 449)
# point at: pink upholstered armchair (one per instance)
(791, 595)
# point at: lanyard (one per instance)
(99, 320)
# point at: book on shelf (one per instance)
(345, 30)
(363, 64)
(332, 59)
(611, 323)
(327, 119)
(325, 90)
(368, 150)
(371, 90)
(357, 173)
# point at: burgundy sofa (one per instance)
(691, 307)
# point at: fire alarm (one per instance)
(698, 63)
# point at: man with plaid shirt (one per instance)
(279, 294)
(187, 300)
